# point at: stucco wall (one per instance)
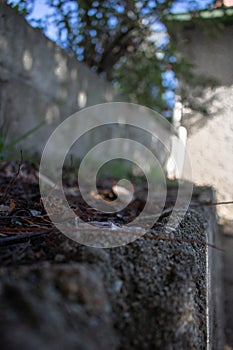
(39, 81)
(210, 138)
(209, 47)
(211, 150)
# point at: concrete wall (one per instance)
(210, 138)
(210, 50)
(39, 81)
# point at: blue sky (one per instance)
(184, 5)
(41, 9)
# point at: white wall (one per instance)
(210, 138)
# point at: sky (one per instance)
(41, 9)
(184, 5)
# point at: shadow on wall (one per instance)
(40, 81)
(204, 41)
(208, 105)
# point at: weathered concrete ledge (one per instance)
(150, 294)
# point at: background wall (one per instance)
(209, 48)
(39, 81)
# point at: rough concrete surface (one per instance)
(227, 239)
(206, 45)
(150, 294)
(210, 148)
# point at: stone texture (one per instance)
(150, 294)
(55, 307)
(227, 239)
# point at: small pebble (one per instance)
(60, 258)
(117, 285)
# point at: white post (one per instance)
(176, 160)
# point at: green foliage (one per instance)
(143, 72)
(117, 169)
(4, 131)
(7, 148)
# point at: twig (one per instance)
(138, 234)
(5, 194)
(22, 238)
(209, 204)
